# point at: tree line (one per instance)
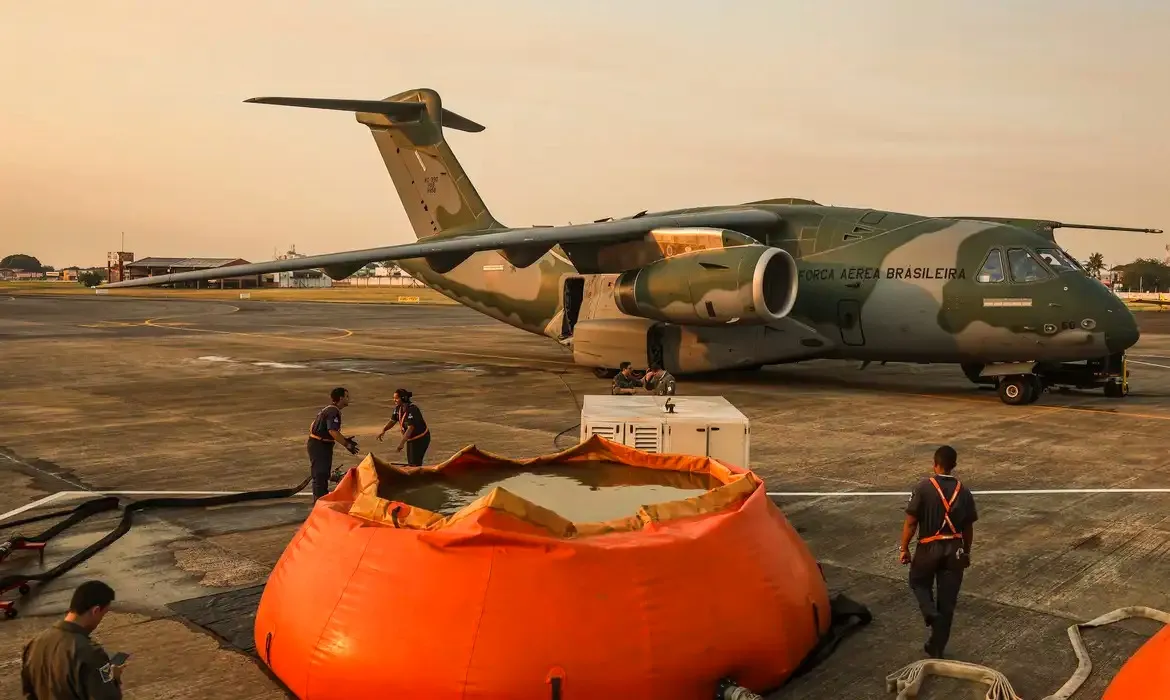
(28, 263)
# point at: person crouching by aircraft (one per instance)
(415, 434)
(658, 381)
(625, 382)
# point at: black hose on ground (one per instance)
(847, 616)
(76, 515)
(566, 431)
(106, 503)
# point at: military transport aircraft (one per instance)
(740, 286)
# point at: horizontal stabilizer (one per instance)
(399, 111)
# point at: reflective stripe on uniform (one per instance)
(946, 515)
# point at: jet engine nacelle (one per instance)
(741, 285)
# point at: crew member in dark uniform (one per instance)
(658, 381)
(625, 382)
(415, 434)
(63, 662)
(944, 513)
(324, 432)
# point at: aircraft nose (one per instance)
(1122, 332)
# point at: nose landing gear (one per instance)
(1020, 389)
(1021, 383)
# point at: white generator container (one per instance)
(700, 426)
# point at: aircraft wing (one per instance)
(521, 246)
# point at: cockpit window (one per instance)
(992, 270)
(1024, 267)
(1058, 260)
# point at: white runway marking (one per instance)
(1010, 492)
(66, 495)
(1148, 364)
(35, 504)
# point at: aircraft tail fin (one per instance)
(408, 130)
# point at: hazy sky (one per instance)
(129, 116)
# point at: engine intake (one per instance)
(743, 285)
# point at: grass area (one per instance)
(344, 295)
(1141, 306)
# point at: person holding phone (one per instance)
(64, 662)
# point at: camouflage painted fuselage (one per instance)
(875, 285)
(714, 287)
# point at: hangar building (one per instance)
(150, 267)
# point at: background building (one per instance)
(151, 267)
(116, 265)
(298, 278)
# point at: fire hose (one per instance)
(21, 581)
(907, 681)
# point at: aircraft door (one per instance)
(654, 346)
(572, 295)
(849, 321)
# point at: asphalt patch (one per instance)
(230, 616)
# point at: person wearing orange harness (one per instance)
(415, 434)
(944, 513)
(324, 433)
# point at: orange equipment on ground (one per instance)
(1147, 673)
(505, 599)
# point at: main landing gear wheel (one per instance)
(1115, 389)
(1020, 389)
(10, 613)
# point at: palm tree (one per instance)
(1096, 264)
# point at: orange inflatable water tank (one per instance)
(374, 598)
(1147, 673)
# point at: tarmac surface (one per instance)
(165, 395)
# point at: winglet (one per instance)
(395, 111)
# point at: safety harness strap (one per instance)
(314, 425)
(946, 515)
(402, 413)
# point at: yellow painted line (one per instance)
(110, 324)
(345, 332)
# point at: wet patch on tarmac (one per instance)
(44, 474)
(229, 616)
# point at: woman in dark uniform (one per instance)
(416, 437)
